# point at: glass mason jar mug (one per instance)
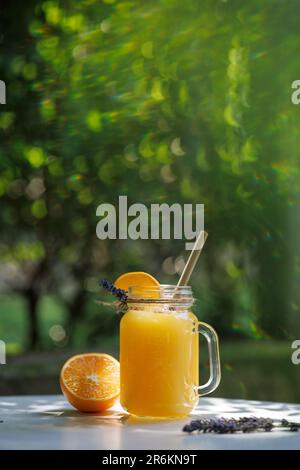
(159, 353)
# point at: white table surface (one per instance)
(49, 422)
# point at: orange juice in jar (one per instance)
(159, 353)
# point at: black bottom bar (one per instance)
(136, 458)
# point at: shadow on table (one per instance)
(76, 418)
(64, 414)
(60, 409)
(211, 407)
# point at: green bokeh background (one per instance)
(162, 101)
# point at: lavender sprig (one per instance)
(293, 427)
(120, 294)
(243, 425)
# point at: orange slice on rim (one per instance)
(91, 382)
(148, 284)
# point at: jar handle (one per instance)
(214, 359)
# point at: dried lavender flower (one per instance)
(242, 425)
(120, 294)
(293, 427)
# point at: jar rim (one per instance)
(166, 293)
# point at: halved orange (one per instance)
(137, 278)
(91, 382)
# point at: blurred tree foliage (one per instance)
(163, 101)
